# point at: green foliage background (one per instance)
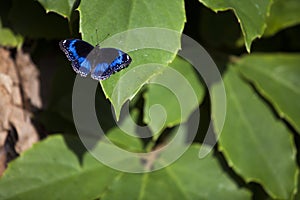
(254, 43)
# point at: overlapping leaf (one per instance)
(72, 173)
(257, 146)
(160, 95)
(276, 77)
(284, 13)
(251, 15)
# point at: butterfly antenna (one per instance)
(106, 36)
(98, 43)
(97, 37)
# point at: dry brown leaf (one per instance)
(5, 100)
(29, 77)
(14, 112)
(7, 65)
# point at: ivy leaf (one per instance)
(284, 13)
(256, 145)
(160, 95)
(59, 168)
(108, 19)
(8, 38)
(252, 15)
(277, 79)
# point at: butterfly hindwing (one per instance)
(121, 62)
(111, 61)
(101, 62)
(77, 52)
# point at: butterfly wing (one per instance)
(109, 61)
(77, 51)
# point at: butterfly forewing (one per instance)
(77, 51)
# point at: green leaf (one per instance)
(28, 18)
(163, 96)
(52, 170)
(276, 77)
(125, 135)
(256, 145)
(8, 38)
(62, 7)
(111, 17)
(297, 196)
(188, 178)
(119, 90)
(125, 141)
(126, 23)
(284, 13)
(251, 15)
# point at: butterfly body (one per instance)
(100, 62)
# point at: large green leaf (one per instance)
(276, 77)
(161, 95)
(188, 178)
(110, 17)
(284, 13)
(251, 15)
(62, 7)
(100, 19)
(52, 170)
(256, 145)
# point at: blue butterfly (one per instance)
(100, 62)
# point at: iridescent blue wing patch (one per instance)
(85, 58)
(77, 52)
